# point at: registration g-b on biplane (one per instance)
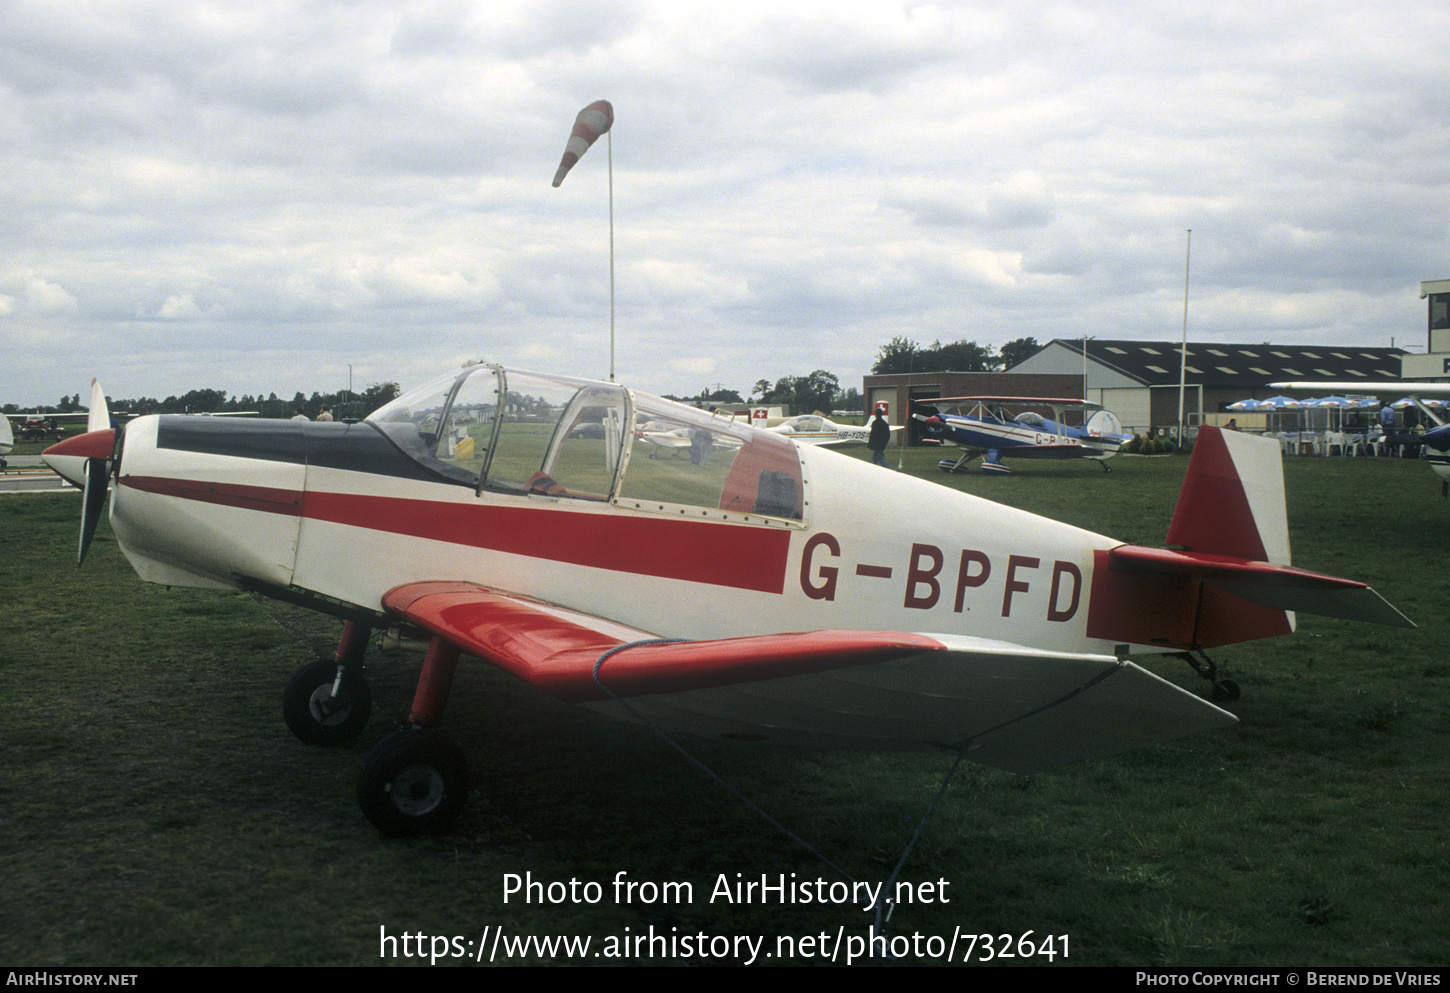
(809, 597)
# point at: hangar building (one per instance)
(1138, 380)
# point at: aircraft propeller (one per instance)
(98, 472)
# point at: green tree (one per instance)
(1019, 350)
(804, 394)
(818, 391)
(960, 356)
(201, 401)
(720, 396)
(901, 355)
(897, 355)
(374, 397)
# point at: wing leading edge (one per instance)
(1018, 708)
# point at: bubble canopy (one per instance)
(514, 432)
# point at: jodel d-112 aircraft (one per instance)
(780, 592)
(985, 425)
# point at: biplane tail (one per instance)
(1224, 576)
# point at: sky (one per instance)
(278, 195)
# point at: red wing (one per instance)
(556, 649)
(1017, 708)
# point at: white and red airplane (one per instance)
(780, 592)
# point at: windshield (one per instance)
(522, 432)
(683, 457)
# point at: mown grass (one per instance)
(158, 812)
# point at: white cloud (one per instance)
(255, 196)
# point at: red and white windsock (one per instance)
(592, 122)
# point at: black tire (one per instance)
(318, 718)
(413, 782)
(1226, 691)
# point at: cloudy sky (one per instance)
(254, 196)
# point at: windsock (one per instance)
(592, 122)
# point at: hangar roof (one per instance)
(1155, 363)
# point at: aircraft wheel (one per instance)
(315, 715)
(413, 782)
(1225, 690)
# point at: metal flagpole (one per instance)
(1183, 351)
(610, 149)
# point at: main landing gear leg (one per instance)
(1224, 690)
(328, 702)
(415, 781)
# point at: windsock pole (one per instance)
(609, 148)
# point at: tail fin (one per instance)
(1226, 576)
(1232, 501)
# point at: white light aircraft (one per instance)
(816, 429)
(35, 425)
(812, 602)
(682, 439)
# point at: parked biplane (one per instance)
(999, 427)
(815, 606)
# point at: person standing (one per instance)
(1387, 424)
(879, 438)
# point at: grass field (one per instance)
(157, 811)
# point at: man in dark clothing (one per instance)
(879, 439)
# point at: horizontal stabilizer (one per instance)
(1014, 707)
(1280, 587)
(1226, 576)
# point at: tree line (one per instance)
(819, 390)
(901, 355)
(342, 404)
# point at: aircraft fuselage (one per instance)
(340, 510)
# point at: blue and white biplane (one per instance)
(1000, 427)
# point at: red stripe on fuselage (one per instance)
(719, 554)
(271, 499)
(740, 556)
